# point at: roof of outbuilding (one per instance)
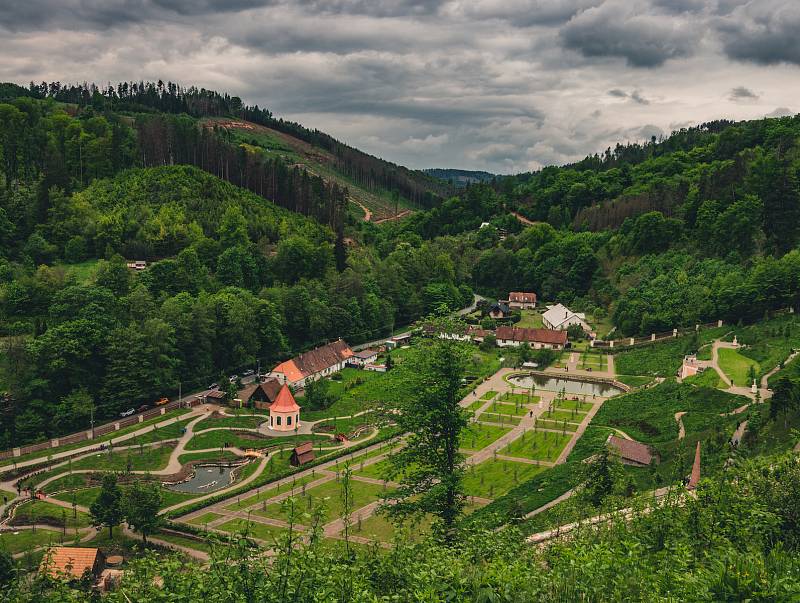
(631, 450)
(70, 561)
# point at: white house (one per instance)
(560, 318)
(536, 338)
(363, 358)
(521, 300)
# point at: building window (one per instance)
(296, 418)
(270, 421)
(279, 421)
(289, 420)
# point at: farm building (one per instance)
(363, 358)
(303, 454)
(260, 395)
(313, 365)
(536, 338)
(72, 562)
(284, 413)
(521, 300)
(630, 451)
(560, 318)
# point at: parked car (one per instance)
(162, 401)
(233, 378)
(248, 372)
(214, 386)
(143, 408)
(127, 413)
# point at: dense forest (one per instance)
(700, 226)
(232, 278)
(696, 227)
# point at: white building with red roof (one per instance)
(536, 338)
(521, 300)
(284, 413)
(315, 364)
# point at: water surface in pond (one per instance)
(570, 386)
(206, 479)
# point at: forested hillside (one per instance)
(700, 226)
(232, 278)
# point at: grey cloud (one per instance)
(780, 112)
(624, 30)
(742, 93)
(634, 96)
(525, 13)
(764, 32)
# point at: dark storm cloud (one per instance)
(742, 93)
(624, 30)
(502, 85)
(763, 32)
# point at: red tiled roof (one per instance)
(532, 335)
(314, 361)
(285, 401)
(522, 297)
(630, 450)
(71, 561)
(365, 354)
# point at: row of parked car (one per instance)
(233, 378)
(162, 401)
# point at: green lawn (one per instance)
(216, 438)
(80, 272)
(253, 529)
(25, 540)
(496, 477)
(531, 319)
(660, 359)
(363, 424)
(150, 458)
(380, 528)
(478, 437)
(39, 510)
(202, 520)
(558, 425)
(573, 405)
(520, 399)
(198, 545)
(245, 421)
(540, 445)
(268, 492)
(737, 367)
(502, 419)
(330, 492)
(76, 480)
(561, 415)
(83, 497)
(489, 395)
(708, 378)
(504, 408)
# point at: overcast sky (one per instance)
(500, 85)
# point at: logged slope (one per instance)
(374, 202)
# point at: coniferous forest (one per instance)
(251, 259)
